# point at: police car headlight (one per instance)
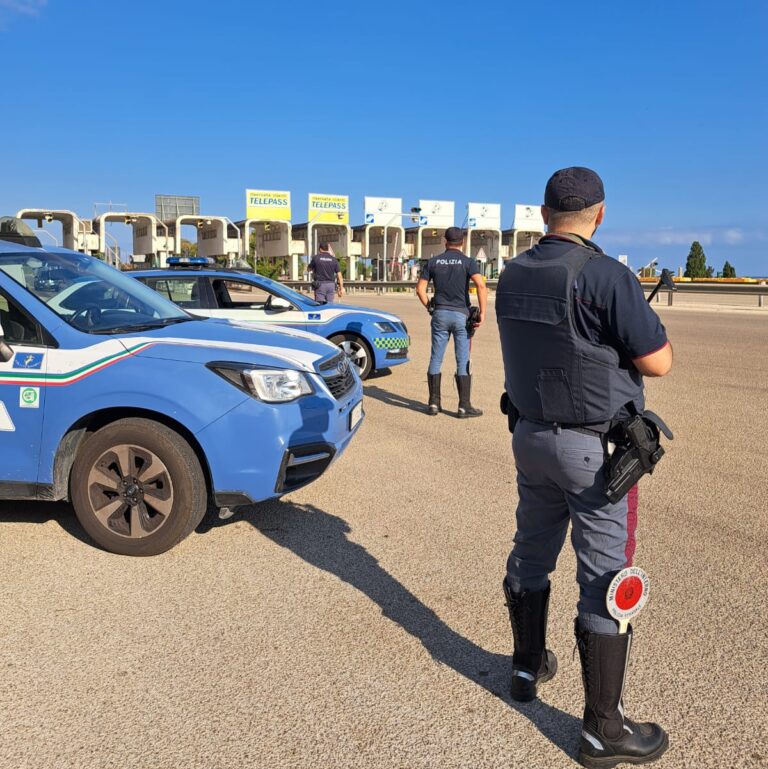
(277, 385)
(384, 327)
(266, 384)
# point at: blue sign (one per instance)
(369, 218)
(28, 360)
(472, 221)
(423, 221)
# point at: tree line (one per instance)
(696, 265)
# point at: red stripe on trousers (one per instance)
(629, 550)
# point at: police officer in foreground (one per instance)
(577, 338)
(326, 271)
(451, 273)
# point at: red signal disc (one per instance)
(629, 592)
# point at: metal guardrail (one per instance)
(735, 289)
(723, 289)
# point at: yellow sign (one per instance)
(268, 205)
(328, 209)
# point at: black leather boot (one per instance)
(464, 386)
(433, 380)
(608, 737)
(532, 662)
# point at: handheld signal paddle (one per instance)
(665, 281)
(627, 595)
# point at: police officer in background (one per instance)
(577, 338)
(451, 273)
(325, 270)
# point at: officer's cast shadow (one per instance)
(393, 399)
(400, 401)
(321, 540)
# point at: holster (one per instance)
(508, 408)
(637, 451)
(472, 318)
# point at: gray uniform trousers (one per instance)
(325, 291)
(560, 480)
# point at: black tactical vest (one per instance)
(552, 373)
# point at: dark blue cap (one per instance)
(454, 235)
(573, 189)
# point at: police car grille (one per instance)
(341, 385)
(338, 383)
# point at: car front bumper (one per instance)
(259, 451)
(391, 350)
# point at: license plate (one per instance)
(355, 415)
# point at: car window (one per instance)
(88, 294)
(182, 291)
(289, 293)
(18, 327)
(239, 294)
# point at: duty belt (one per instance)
(599, 429)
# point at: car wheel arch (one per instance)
(73, 438)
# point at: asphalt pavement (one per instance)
(359, 622)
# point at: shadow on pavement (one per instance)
(381, 373)
(393, 399)
(321, 540)
(15, 511)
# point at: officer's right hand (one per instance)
(480, 320)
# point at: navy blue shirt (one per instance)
(450, 273)
(610, 307)
(324, 267)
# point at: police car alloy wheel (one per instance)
(137, 487)
(358, 352)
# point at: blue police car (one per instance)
(371, 339)
(138, 412)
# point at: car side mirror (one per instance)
(278, 304)
(6, 353)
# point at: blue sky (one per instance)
(459, 101)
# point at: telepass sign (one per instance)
(328, 209)
(268, 205)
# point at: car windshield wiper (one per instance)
(141, 326)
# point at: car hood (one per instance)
(201, 341)
(331, 309)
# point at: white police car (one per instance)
(370, 338)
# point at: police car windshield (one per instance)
(288, 293)
(88, 294)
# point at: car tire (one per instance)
(357, 350)
(137, 487)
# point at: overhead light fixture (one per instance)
(49, 217)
